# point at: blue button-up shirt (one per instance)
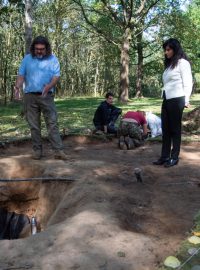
(38, 72)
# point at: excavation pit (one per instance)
(104, 219)
(23, 199)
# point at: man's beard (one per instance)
(39, 56)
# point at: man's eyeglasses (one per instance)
(39, 49)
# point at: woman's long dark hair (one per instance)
(41, 40)
(175, 45)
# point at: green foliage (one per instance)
(197, 222)
(197, 82)
(89, 64)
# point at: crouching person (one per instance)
(106, 115)
(132, 130)
(154, 124)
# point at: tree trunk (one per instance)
(6, 64)
(96, 78)
(124, 72)
(139, 74)
(28, 24)
(5, 83)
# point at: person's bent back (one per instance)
(132, 130)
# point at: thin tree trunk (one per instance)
(124, 72)
(96, 78)
(5, 83)
(28, 24)
(139, 74)
(6, 64)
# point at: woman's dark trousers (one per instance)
(171, 116)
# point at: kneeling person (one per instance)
(132, 130)
(106, 115)
(154, 123)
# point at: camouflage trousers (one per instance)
(130, 129)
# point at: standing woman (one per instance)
(177, 80)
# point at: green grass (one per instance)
(74, 114)
(183, 255)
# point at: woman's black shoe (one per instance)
(161, 161)
(171, 162)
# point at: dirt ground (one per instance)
(104, 219)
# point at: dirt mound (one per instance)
(191, 121)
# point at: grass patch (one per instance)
(74, 114)
(183, 255)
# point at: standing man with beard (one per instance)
(40, 71)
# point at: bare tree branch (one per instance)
(131, 10)
(141, 8)
(98, 30)
(124, 9)
(113, 13)
(145, 11)
(97, 35)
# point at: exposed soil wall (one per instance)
(191, 121)
(105, 219)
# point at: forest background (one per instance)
(102, 45)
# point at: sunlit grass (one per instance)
(73, 114)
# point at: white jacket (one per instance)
(178, 81)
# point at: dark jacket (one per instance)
(103, 114)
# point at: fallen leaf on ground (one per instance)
(172, 262)
(194, 240)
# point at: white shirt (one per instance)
(178, 81)
(154, 123)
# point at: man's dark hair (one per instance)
(41, 40)
(175, 45)
(109, 94)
